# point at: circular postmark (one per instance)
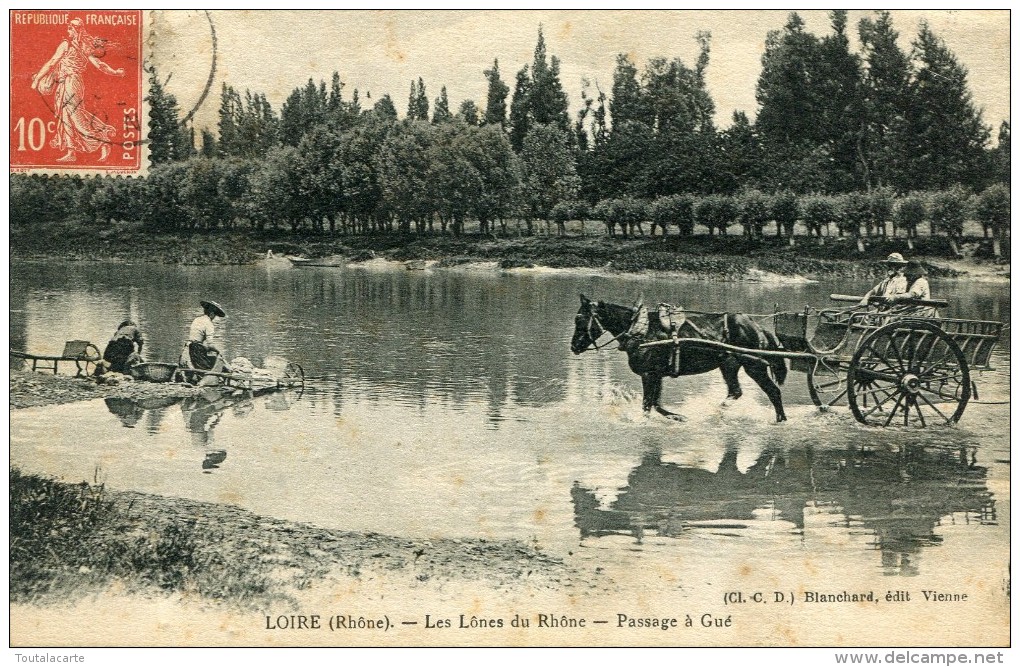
(181, 43)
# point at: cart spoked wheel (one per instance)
(293, 376)
(908, 373)
(87, 364)
(827, 383)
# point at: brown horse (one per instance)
(653, 363)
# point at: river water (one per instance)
(446, 403)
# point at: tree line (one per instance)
(855, 140)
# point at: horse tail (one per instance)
(776, 365)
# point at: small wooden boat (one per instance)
(322, 261)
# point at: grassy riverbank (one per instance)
(710, 257)
(74, 540)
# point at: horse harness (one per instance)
(670, 318)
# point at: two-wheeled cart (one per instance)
(892, 367)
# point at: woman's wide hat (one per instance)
(915, 267)
(896, 258)
(214, 307)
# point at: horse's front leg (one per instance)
(651, 385)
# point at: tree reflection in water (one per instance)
(898, 494)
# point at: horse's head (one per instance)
(587, 327)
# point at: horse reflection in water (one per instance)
(899, 495)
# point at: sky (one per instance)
(381, 52)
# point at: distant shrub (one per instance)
(948, 210)
(674, 210)
(755, 212)
(854, 213)
(785, 211)
(632, 213)
(716, 212)
(818, 211)
(910, 212)
(603, 210)
(992, 209)
(882, 201)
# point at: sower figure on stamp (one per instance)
(78, 130)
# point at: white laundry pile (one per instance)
(273, 368)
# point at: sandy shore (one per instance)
(704, 257)
(976, 271)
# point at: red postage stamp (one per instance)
(77, 92)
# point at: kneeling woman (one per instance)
(201, 353)
(124, 349)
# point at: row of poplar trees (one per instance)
(829, 121)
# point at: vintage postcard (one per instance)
(510, 329)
